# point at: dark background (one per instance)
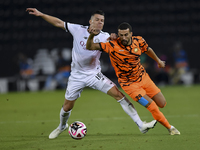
(161, 23)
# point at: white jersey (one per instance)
(84, 61)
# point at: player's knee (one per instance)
(118, 96)
(163, 104)
(160, 101)
(115, 93)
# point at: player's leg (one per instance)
(158, 115)
(126, 105)
(107, 86)
(152, 100)
(159, 99)
(147, 102)
(129, 108)
(73, 91)
(153, 91)
(161, 102)
(137, 93)
(65, 113)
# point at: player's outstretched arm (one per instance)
(50, 19)
(152, 54)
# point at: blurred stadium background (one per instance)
(162, 24)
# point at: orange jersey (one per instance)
(126, 59)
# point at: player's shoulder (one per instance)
(113, 43)
(137, 37)
(104, 33)
(77, 25)
(84, 27)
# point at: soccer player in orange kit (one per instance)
(125, 54)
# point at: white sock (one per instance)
(171, 127)
(64, 116)
(131, 112)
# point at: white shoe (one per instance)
(55, 133)
(173, 131)
(148, 125)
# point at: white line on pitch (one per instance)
(107, 118)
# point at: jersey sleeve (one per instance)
(72, 28)
(105, 47)
(106, 36)
(143, 44)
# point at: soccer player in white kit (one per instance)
(86, 70)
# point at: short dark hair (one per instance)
(100, 12)
(124, 26)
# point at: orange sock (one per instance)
(158, 115)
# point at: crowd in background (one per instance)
(171, 28)
(47, 71)
(177, 70)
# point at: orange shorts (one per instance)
(146, 86)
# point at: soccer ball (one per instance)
(77, 130)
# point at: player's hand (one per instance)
(161, 64)
(33, 11)
(113, 36)
(92, 30)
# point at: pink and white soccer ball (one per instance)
(77, 130)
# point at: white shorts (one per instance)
(77, 82)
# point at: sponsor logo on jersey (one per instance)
(96, 40)
(136, 49)
(83, 44)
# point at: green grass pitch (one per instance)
(27, 118)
